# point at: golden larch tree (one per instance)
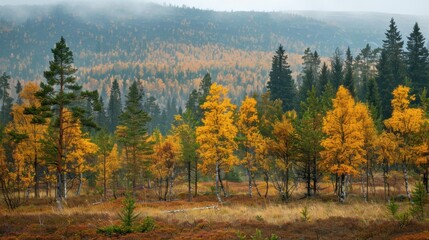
(249, 137)
(405, 123)
(281, 148)
(387, 153)
(217, 135)
(369, 135)
(165, 160)
(343, 152)
(27, 151)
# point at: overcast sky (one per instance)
(419, 7)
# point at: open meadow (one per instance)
(239, 217)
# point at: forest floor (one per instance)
(204, 218)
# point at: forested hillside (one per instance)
(171, 48)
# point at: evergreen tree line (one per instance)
(370, 77)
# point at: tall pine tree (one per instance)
(337, 69)
(417, 61)
(115, 107)
(348, 74)
(281, 84)
(391, 67)
(56, 95)
(132, 134)
(7, 101)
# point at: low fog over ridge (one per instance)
(412, 7)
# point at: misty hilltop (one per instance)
(170, 48)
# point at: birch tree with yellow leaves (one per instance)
(387, 153)
(165, 161)
(405, 123)
(27, 152)
(343, 153)
(217, 135)
(369, 136)
(249, 138)
(281, 148)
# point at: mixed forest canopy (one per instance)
(171, 48)
(124, 107)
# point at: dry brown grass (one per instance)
(328, 219)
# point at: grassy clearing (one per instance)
(327, 219)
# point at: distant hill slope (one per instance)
(170, 48)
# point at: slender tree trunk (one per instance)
(342, 188)
(426, 179)
(65, 185)
(362, 185)
(59, 161)
(221, 183)
(79, 187)
(104, 178)
(308, 177)
(189, 182)
(371, 173)
(196, 178)
(134, 174)
(336, 190)
(166, 188)
(314, 175)
(256, 186)
(386, 184)
(59, 190)
(367, 178)
(267, 182)
(170, 193)
(36, 177)
(287, 180)
(249, 175)
(407, 188)
(217, 183)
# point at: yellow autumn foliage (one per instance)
(216, 135)
(343, 147)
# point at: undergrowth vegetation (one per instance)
(240, 217)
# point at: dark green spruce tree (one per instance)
(323, 79)
(281, 84)
(336, 69)
(101, 117)
(7, 101)
(348, 73)
(391, 68)
(133, 136)
(18, 90)
(114, 109)
(309, 131)
(364, 63)
(417, 61)
(152, 108)
(373, 101)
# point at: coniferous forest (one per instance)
(178, 123)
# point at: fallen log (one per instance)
(191, 209)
